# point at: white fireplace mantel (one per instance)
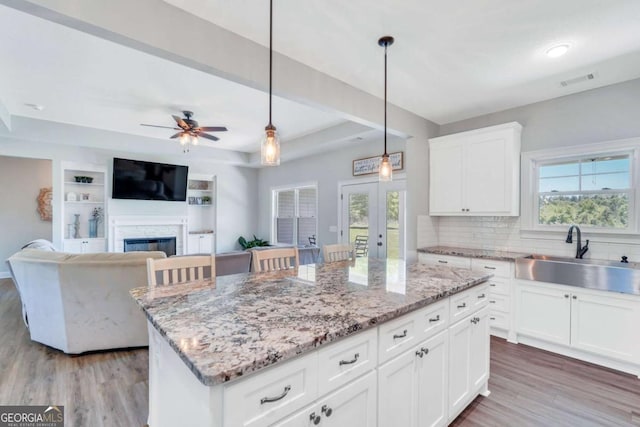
(144, 226)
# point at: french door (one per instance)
(373, 218)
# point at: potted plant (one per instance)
(248, 244)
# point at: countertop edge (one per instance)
(473, 253)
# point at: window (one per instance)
(589, 191)
(295, 215)
(592, 186)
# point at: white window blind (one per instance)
(295, 215)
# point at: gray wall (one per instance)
(20, 184)
(327, 170)
(598, 115)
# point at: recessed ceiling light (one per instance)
(36, 107)
(557, 51)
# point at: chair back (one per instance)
(361, 244)
(275, 259)
(333, 253)
(170, 271)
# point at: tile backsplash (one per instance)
(503, 233)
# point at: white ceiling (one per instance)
(452, 59)
(84, 80)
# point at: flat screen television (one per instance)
(135, 179)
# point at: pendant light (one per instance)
(385, 171)
(270, 146)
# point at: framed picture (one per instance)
(370, 165)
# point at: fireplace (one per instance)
(164, 244)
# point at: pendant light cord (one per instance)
(385, 99)
(270, 56)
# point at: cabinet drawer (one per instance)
(481, 296)
(341, 362)
(262, 399)
(445, 260)
(499, 302)
(499, 319)
(432, 319)
(499, 286)
(460, 305)
(497, 268)
(397, 336)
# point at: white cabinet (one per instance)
(83, 200)
(476, 172)
(201, 243)
(444, 260)
(84, 246)
(584, 323)
(469, 360)
(432, 381)
(201, 214)
(353, 405)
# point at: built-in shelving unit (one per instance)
(201, 192)
(84, 191)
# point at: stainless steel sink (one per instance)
(593, 274)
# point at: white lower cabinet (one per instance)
(597, 326)
(200, 243)
(84, 246)
(468, 360)
(353, 405)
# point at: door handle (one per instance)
(379, 243)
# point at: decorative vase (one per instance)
(76, 226)
(93, 228)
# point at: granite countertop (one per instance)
(473, 253)
(238, 324)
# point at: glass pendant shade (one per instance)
(270, 147)
(185, 138)
(385, 172)
(194, 139)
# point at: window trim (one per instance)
(529, 186)
(274, 209)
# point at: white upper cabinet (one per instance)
(476, 172)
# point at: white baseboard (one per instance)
(4, 275)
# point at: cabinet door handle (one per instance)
(481, 296)
(326, 410)
(473, 320)
(349, 362)
(463, 305)
(419, 353)
(566, 295)
(315, 419)
(404, 334)
(492, 318)
(575, 297)
(489, 268)
(462, 209)
(443, 262)
(434, 319)
(425, 350)
(275, 399)
(492, 302)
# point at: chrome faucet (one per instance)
(580, 250)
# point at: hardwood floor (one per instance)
(529, 387)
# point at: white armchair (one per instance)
(79, 303)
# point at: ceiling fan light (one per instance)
(194, 139)
(385, 170)
(270, 147)
(184, 138)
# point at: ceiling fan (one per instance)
(190, 130)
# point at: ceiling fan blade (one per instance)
(176, 135)
(181, 122)
(156, 126)
(213, 129)
(207, 136)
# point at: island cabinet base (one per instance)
(420, 369)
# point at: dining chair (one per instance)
(275, 259)
(339, 252)
(362, 245)
(181, 269)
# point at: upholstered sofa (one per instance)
(79, 303)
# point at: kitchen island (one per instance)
(340, 343)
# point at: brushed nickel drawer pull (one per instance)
(443, 262)
(349, 362)
(464, 304)
(489, 268)
(492, 284)
(286, 391)
(434, 319)
(481, 296)
(404, 334)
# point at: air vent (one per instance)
(577, 80)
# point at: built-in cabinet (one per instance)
(396, 374)
(201, 214)
(83, 199)
(476, 173)
(596, 326)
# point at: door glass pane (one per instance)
(359, 222)
(393, 224)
